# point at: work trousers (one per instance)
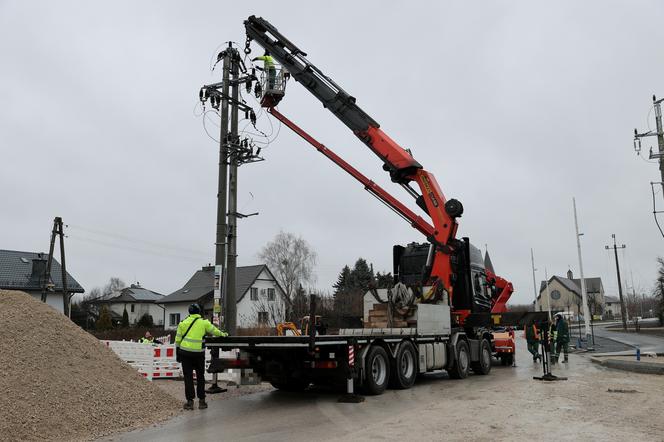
(271, 78)
(564, 346)
(193, 361)
(533, 348)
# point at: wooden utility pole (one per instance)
(623, 312)
(46, 280)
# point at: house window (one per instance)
(555, 294)
(262, 318)
(132, 308)
(174, 319)
(254, 294)
(270, 294)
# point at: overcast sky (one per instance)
(516, 107)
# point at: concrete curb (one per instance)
(633, 366)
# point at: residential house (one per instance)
(137, 301)
(565, 295)
(26, 271)
(612, 307)
(260, 299)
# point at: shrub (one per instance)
(145, 321)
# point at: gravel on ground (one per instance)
(60, 383)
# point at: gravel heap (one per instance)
(57, 382)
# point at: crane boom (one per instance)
(449, 261)
(397, 160)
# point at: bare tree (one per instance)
(267, 313)
(292, 261)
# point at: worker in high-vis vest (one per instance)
(269, 69)
(147, 339)
(191, 353)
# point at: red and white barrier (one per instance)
(151, 361)
(158, 361)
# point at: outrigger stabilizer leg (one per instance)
(546, 366)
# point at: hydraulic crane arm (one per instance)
(416, 221)
(397, 161)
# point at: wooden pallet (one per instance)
(379, 318)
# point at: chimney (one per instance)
(38, 268)
(570, 275)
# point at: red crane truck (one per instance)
(443, 284)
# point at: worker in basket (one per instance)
(269, 68)
(191, 353)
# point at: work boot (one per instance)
(565, 361)
(202, 405)
(189, 405)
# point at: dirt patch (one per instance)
(60, 383)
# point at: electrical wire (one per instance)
(136, 249)
(122, 237)
(654, 209)
(205, 127)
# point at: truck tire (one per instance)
(404, 369)
(378, 371)
(459, 369)
(483, 366)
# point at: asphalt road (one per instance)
(646, 342)
(505, 405)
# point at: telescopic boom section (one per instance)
(397, 160)
(403, 168)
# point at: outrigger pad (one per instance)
(549, 378)
(351, 399)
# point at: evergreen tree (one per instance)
(104, 322)
(125, 318)
(384, 280)
(343, 283)
(362, 275)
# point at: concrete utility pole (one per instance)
(231, 304)
(584, 293)
(660, 138)
(623, 312)
(233, 152)
(532, 261)
(222, 227)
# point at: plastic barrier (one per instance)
(151, 361)
(158, 361)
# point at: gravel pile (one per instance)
(57, 382)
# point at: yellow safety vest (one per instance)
(268, 61)
(193, 342)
